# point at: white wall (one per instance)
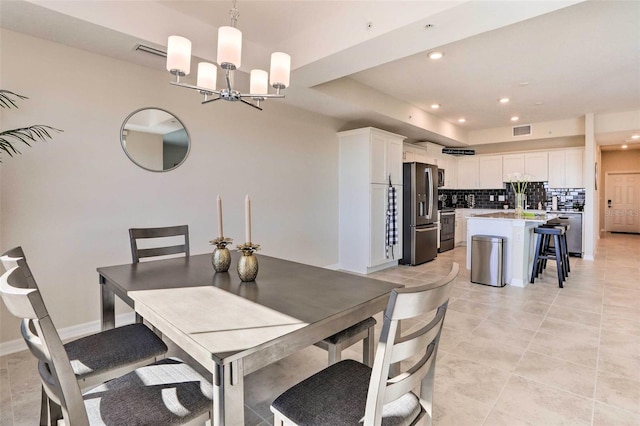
(69, 202)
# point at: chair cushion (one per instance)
(113, 348)
(337, 396)
(351, 331)
(168, 392)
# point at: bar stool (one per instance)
(564, 247)
(539, 262)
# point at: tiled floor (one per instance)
(508, 356)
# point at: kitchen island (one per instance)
(519, 245)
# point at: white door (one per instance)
(622, 203)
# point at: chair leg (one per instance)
(44, 409)
(335, 354)
(559, 262)
(426, 394)
(368, 350)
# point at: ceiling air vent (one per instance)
(149, 49)
(524, 130)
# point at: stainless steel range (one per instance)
(447, 219)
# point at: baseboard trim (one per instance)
(333, 267)
(72, 332)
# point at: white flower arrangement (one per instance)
(519, 182)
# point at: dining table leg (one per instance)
(228, 394)
(107, 306)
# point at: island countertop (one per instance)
(535, 217)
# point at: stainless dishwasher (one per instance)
(574, 234)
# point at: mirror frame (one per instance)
(124, 148)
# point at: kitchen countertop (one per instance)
(534, 217)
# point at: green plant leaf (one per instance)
(25, 135)
(6, 101)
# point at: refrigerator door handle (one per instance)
(431, 192)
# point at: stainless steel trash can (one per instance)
(487, 260)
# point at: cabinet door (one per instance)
(490, 172)
(468, 171)
(512, 164)
(394, 161)
(536, 165)
(557, 169)
(451, 172)
(574, 168)
(378, 222)
(377, 158)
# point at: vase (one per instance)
(221, 259)
(247, 266)
(521, 199)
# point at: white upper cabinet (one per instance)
(450, 165)
(385, 157)
(533, 164)
(468, 172)
(536, 166)
(490, 172)
(565, 168)
(512, 164)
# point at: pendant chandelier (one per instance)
(228, 59)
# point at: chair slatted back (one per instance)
(27, 303)
(146, 233)
(422, 344)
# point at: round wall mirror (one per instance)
(154, 139)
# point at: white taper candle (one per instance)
(220, 233)
(247, 218)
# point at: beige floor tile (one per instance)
(620, 324)
(496, 331)
(573, 315)
(450, 338)
(590, 303)
(456, 375)
(487, 352)
(618, 391)
(529, 403)
(512, 318)
(557, 373)
(606, 415)
(559, 327)
(481, 310)
(461, 321)
(457, 410)
(581, 350)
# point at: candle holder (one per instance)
(248, 262)
(221, 258)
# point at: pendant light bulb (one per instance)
(280, 70)
(229, 48)
(179, 55)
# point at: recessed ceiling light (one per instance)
(435, 106)
(624, 146)
(515, 118)
(504, 100)
(635, 136)
(538, 103)
(462, 120)
(435, 55)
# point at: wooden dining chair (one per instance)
(350, 393)
(96, 358)
(136, 234)
(166, 392)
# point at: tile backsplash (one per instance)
(537, 192)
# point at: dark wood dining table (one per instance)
(234, 328)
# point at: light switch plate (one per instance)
(500, 197)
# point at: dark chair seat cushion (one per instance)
(347, 333)
(337, 396)
(113, 348)
(168, 392)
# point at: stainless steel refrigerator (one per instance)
(420, 213)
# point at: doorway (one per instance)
(622, 202)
